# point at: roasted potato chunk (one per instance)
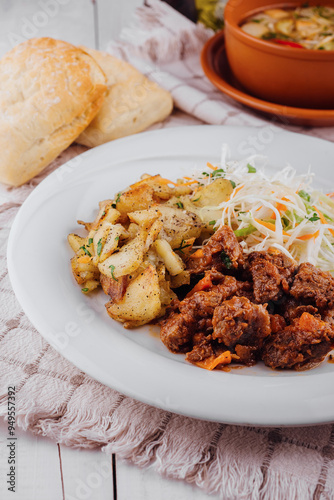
(127, 260)
(141, 302)
(178, 225)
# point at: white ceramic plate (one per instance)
(136, 362)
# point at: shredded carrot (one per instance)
(211, 166)
(167, 181)
(330, 195)
(280, 207)
(203, 284)
(322, 219)
(188, 178)
(269, 225)
(84, 259)
(210, 363)
(198, 254)
(306, 237)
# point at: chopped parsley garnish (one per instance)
(84, 289)
(314, 217)
(118, 197)
(90, 241)
(116, 238)
(233, 184)
(205, 174)
(112, 269)
(218, 173)
(196, 199)
(87, 252)
(179, 204)
(303, 194)
(99, 247)
(212, 222)
(226, 260)
(251, 169)
(269, 36)
(182, 246)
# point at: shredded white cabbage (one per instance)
(281, 211)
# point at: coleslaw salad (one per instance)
(281, 211)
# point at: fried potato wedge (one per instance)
(84, 270)
(179, 225)
(75, 242)
(141, 301)
(145, 218)
(173, 263)
(127, 260)
(213, 194)
(137, 198)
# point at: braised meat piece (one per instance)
(245, 289)
(238, 321)
(292, 310)
(202, 304)
(195, 315)
(277, 323)
(329, 317)
(202, 348)
(313, 286)
(177, 331)
(248, 355)
(222, 251)
(301, 345)
(271, 275)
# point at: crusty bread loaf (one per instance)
(49, 92)
(132, 103)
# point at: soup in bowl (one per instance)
(283, 53)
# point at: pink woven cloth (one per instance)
(56, 399)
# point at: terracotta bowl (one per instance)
(276, 73)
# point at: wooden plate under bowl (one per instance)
(216, 68)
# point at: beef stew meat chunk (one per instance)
(301, 345)
(313, 286)
(271, 275)
(176, 332)
(291, 309)
(222, 252)
(248, 355)
(195, 314)
(203, 303)
(238, 321)
(329, 317)
(202, 348)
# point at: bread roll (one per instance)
(132, 104)
(49, 92)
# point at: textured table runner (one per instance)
(56, 399)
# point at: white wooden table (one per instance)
(47, 470)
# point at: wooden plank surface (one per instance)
(86, 474)
(37, 473)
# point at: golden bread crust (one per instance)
(49, 92)
(132, 103)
